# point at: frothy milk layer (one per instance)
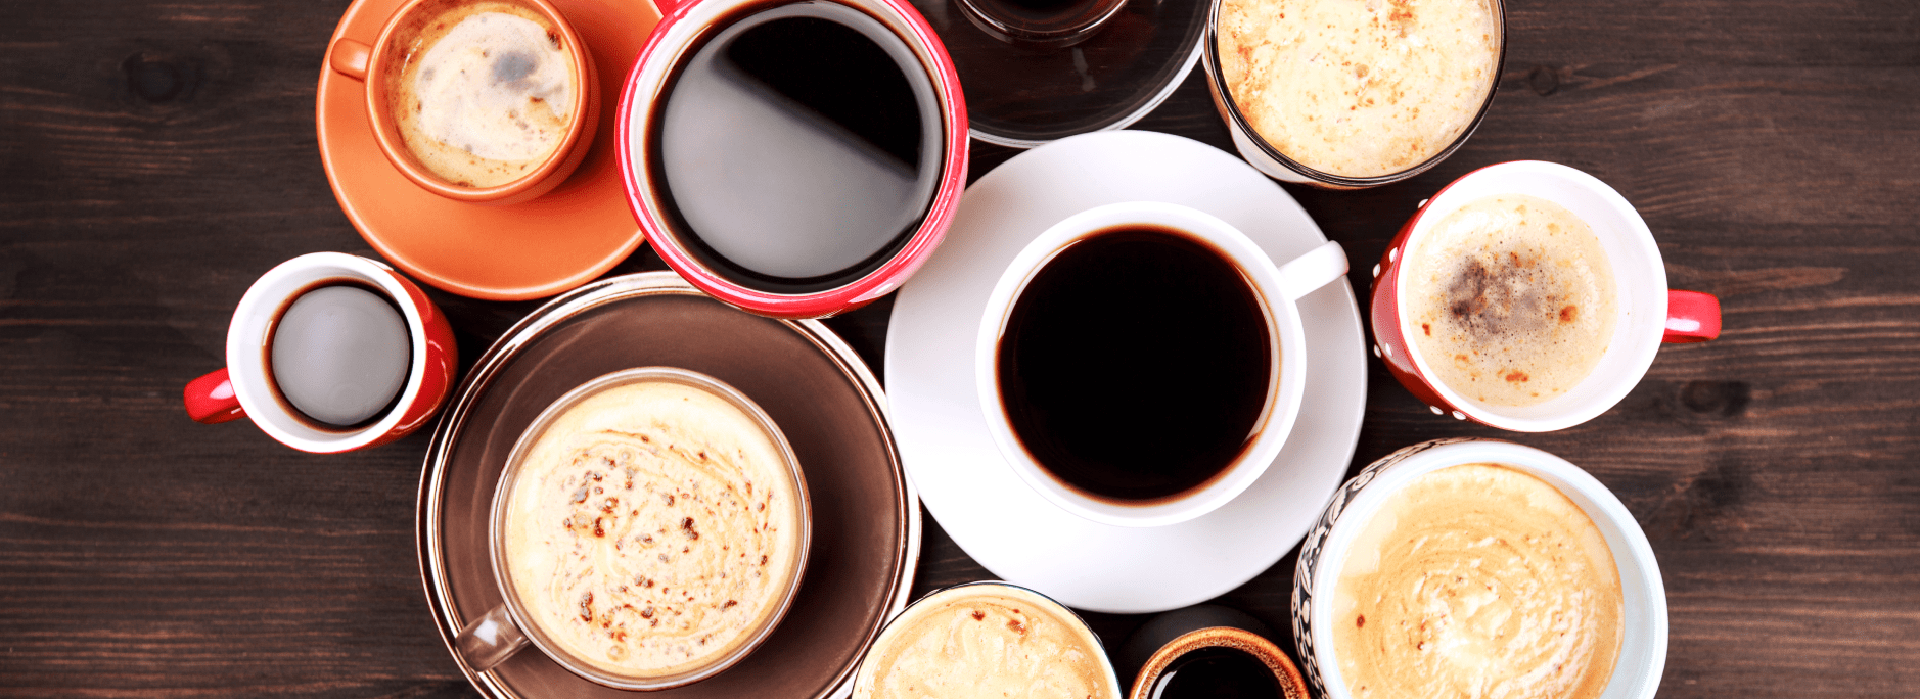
(1478, 581)
(985, 642)
(487, 93)
(1512, 300)
(1359, 88)
(652, 529)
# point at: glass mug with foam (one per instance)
(482, 101)
(797, 159)
(331, 352)
(1141, 363)
(1528, 296)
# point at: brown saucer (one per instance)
(866, 526)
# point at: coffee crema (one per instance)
(1478, 580)
(798, 148)
(1511, 299)
(651, 529)
(485, 94)
(1359, 89)
(1135, 365)
(985, 642)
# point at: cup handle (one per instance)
(1691, 316)
(348, 57)
(1315, 269)
(210, 399)
(490, 639)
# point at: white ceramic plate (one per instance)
(962, 478)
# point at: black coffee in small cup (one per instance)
(338, 354)
(799, 146)
(1217, 672)
(1134, 365)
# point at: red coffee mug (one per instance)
(684, 25)
(1648, 313)
(245, 387)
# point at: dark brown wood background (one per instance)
(155, 158)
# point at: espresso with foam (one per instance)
(485, 93)
(1510, 300)
(1359, 89)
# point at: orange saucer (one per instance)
(517, 251)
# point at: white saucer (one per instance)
(1000, 521)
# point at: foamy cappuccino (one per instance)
(986, 641)
(486, 92)
(1510, 300)
(1359, 88)
(1478, 580)
(652, 529)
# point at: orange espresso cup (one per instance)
(373, 64)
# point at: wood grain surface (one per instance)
(156, 158)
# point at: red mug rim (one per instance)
(918, 34)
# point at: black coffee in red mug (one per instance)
(794, 159)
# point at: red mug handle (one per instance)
(1691, 316)
(210, 399)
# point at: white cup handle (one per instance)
(490, 639)
(1315, 269)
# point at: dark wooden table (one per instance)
(155, 158)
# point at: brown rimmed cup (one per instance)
(1266, 158)
(371, 64)
(1212, 652)
(497, 635)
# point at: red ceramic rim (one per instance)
(842, 298)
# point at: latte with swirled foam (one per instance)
(652, 529)
(486, 92)
(1478, 580)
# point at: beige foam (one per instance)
(651, 529)
(985, 642)
(1478, 580)
(1512, 300)
(487, 93)
(1359, 88)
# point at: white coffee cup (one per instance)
(1276, 287)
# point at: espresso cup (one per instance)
(248, 387)
(1645, 312)
(1215, 661)
(382, 65)
(1360, 137)
(808, 172)
(1261, 381)
(1351, 526)
(600, 437)
(985, 638)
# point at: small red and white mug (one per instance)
(245, 387)
(1649, 312)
